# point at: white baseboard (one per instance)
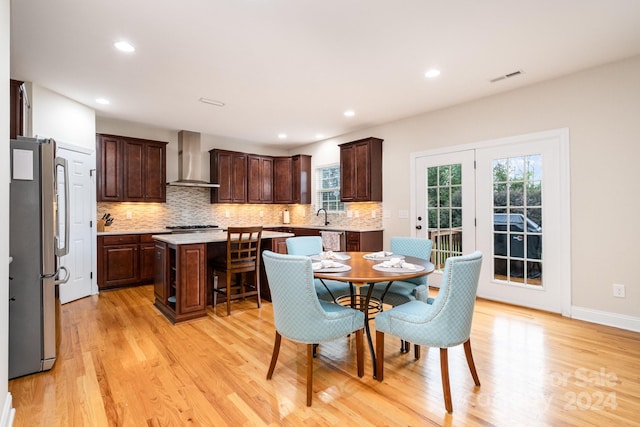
(8, 413)
(605, 318)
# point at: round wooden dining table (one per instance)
(362, 272)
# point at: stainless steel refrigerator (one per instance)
(38, 236)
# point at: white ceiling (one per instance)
(294, 66)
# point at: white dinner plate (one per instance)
(377, 256)
(336, 257)
(384, 268)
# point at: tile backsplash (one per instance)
(189, 206)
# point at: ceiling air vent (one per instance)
(506, 76)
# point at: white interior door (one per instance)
(523, 221)
(79, 260)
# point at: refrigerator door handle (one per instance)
(66, 276)
(62, 163)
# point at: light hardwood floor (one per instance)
(121, 363)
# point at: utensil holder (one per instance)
(100, 225)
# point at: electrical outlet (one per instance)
(227, 214)
(349, 214)
(357, 214)
(373, 214)
(618, 290)
(129, 215)
(261, 214)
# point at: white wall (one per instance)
(55, 116)
(600, 107)
(5, 397)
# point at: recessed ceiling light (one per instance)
(102, 101)
(319, 136)
(349, 113)
(282, 135)
(432, 73)
(124, 46)
(212, 102)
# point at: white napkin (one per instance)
(381, 254)
(398, 263)
(328, 255)
(325, 263)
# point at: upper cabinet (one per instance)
(253, 178)
(259, 179)
(361, 170)
(16, 109)
(130, 169)
(229, 169)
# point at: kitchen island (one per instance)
(183, 277)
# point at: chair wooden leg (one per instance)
(228, 294)
(274, 355)
(257, 282)
(215, 292)
(446, 388)
(472, 366)
(360, 352)
(309, 373)
(416, 351)
(379, 355)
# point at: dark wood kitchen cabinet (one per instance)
(292, 179)
(364, 241)
(361, 170)
(180, 280)
(16, 109)
(130, 169)
(229, 169)
(125, 260)
(259, 179)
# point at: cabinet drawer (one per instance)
(146, 238)
(120, 240)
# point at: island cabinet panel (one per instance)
(130, 169)
(180, 280)
(229, 169)
(361, 170)
(161, 273)
(192, 284)
(259, 179)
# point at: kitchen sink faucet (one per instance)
(326, 222)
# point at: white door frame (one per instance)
(564, 239)
(92, 209)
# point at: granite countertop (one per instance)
(115, 233)
(325, 227)
(209, 237)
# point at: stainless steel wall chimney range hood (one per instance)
(189, 162)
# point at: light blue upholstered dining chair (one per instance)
(403, 291)
(327, 290)
(444, 323)
(301, 317)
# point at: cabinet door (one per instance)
(192, 281)
(109, 163)
(160, 276)
(133, 174)
(155, 175)
(147, 261)
(361, 171)
(120, 265)
(229, 169)
(259, 179)
(301, 179)
(282, 173)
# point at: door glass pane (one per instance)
(517, 220)
(444, 202)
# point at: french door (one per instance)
(517, 215)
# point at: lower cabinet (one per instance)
(180, 285)
(364, 241)
(125, 260)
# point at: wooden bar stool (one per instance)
(243, 256)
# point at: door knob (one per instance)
(419, 218)
(418, 227)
